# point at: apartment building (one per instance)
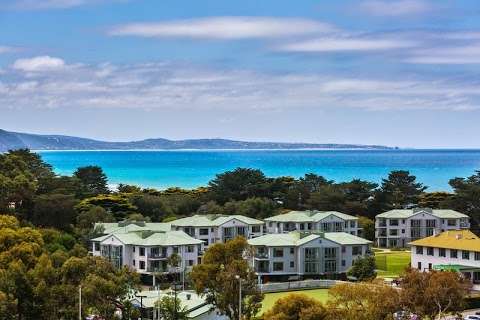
(148, 251)
(396, 228)
(296, 254)
(214, 228)
(457, 250)
(323, 221)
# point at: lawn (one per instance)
(270, 298)
(391, 264)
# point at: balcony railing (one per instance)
(157, 255)
(157, 269)
(261, 255)
(262, 269)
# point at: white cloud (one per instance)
(225, 28)
(40, 63)
(187, 87)
(346, 44)
(395, 7)
(462, 54)
(6, 49)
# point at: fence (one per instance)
(297, 285)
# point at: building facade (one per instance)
(296, 254)
(457, 250)
(318, 221)
(148, 252)
(396, 228)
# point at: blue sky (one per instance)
(400, 73)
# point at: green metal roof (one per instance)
(125, 227)
(308, 216)
(407, 213)
(212, 220)
(296, 238)
(147, 238)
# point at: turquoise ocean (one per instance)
(189, 169)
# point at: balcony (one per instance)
(157, 255)
(157, 269)
(261, 255)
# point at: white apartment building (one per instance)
(396, 228)
(147, 251)
(211, 229)
(322, 221)
(296, 254)
(457, 250)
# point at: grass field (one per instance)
(391, 264)
(270, 298)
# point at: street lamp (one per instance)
(239, 296)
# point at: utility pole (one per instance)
(80, 302)
(239, 296)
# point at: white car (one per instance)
(471, 317)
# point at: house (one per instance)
(219, 228)
(396, 228)
(284, 256)
(195, 305)
(323, 221)
(148, 251)
(457, 250)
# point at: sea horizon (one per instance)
(190, 169)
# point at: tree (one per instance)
(54, 210)
(368, 227)
(363, 301)
(152, 206)
(434, 200)
(328, 197)
(93, 180)
(216, 279)
(432, 294)
(239, 184)
(296, 306)
(117, 205)
(169, 309)
(466, 197)
(252, 207)
(401, 190)
(363, 268)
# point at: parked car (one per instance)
(471, 317)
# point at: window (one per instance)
(344, 249)
(212, 230)
(429, 266)
(477, 256)
(394, 232)
(442, 252)
(356, 250)
(453, 253)
(451, 222)
(394, 222)
(133, 248)
(302, 226)
(203, 231)
(292, 264)
(330, 253)
(190, 249)
(190, 262)
(310, 253)
(142, 265)
(309, 226)
(429, 251)
(133, 263)
(292, 250)
(431, 223)
(278, 253)
(142, 252)
(403, 221)
(352, 224)
(175, 249)
(419, 266)
(255, 229)
(278, 266)
(97, 246)
(465, 254)
(270, 224)
(205, 242)
(419, 250)
(403, 230)
(330, 266)
(476, 277)
(343, 263)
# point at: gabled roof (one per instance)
(452, 239)
(212, 220)
(125, 227)
(407, 213)
(247, 220)
(295, 238)
(150, 238)
(308, 216)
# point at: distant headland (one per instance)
(17, 140)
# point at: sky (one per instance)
(398, 73)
